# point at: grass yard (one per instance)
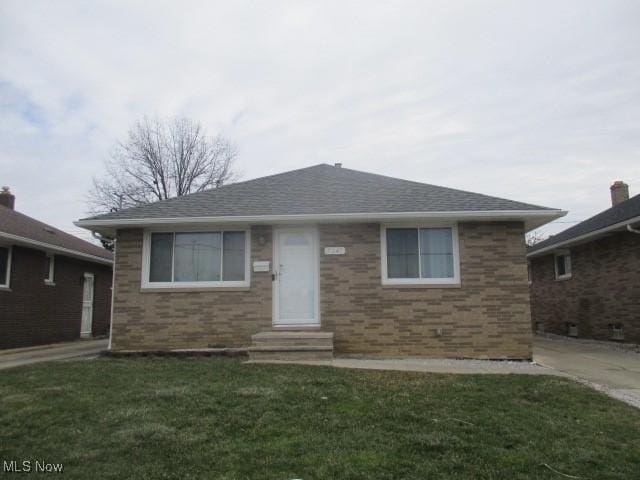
(218, 418)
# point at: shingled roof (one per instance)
(18, 227)
(318, 190)
(618, 214)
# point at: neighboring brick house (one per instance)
(585, 281)
(320, 259)
(54, 287)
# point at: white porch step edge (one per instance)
(291, 348)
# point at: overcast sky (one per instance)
(534, 101)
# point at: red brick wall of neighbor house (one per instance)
(487, 317)
(33, 313)
(604, 288)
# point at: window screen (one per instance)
(197, 257)
(419, 253)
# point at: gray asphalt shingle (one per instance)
(21, 225)
(619, 213)
(320, 189)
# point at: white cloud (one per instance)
(535, 101)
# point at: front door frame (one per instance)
(276, 280)
(84, 333)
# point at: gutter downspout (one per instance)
(99, 237)
(113, 291)
(633, 230)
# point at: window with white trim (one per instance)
(420, 254)
(49, 269)
(198, 259)
(5, 266)
(563, 265)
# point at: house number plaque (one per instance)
(334, 250)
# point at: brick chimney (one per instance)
(7, 199)
(619, 192)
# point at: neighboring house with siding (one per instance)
(324, 259)
(54, 287)
(585, 281)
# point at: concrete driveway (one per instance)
(613, 371)
(47, 353)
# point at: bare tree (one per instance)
(162, 159)
(534, 237)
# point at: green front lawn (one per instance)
(218, 418)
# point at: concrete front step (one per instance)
(274, 334)
(291, 345)
(294, 339)
(293, 342)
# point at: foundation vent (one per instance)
(616, 331)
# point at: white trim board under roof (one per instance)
(621, 226)
(323, 193)
(24, 230)
(622, 216)
(532, 219)
(48, 247)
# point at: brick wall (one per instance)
(604, 288)
(188, 319)
(487, 317)
(33, 313)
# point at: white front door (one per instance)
(87, 305)
(295, 268)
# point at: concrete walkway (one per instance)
(432, 365)
(613, 371)
(47, 353)
(610, 370)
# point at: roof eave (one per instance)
(28, 242)
(584, 238)
(531, 218)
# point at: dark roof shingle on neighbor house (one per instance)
(622, 212)
(320, 189)
(19, 225)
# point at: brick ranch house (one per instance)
(54, 287)
(324, 259)
(585, 281)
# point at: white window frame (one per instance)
(455, 280)
(7, 281)
(146, 259)
(50, 279)
(567, 265)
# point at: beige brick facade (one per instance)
(487, 316)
